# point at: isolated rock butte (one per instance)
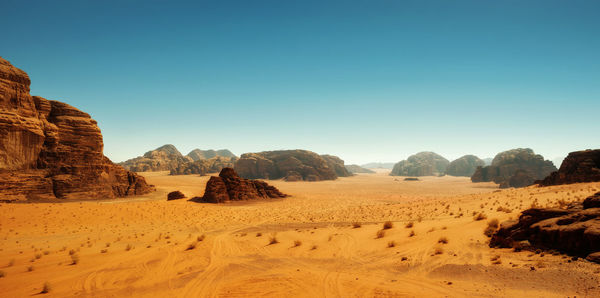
(506, 164)
(198, 154)
(421, 164)
(575, 230)
(579, 166)
(292, 165)
(356, 169)
(464, 166)
(228, 186)
(175, 195)
(164, 158)
(49, 149)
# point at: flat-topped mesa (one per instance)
(228, 186)
(578, 166)
(292, 165)
(514, 168)
(49, 149)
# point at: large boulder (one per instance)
(579, 166)
(356, 169)
(164, 158)
(49, 149)
(292, 165)
(521, 162)
(204, 166)
(464, 166)
(575, 230)
(228, 186)
(421, 164)
(198, 154)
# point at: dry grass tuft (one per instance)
(356, 225)
(297, 243)
(391, 244)
(380, 234)
(46, 288)
(409, 225)
(273, 240)
(388, 225)
(479, 216)
(443, 240)
(191, 246)
(74, 259)
(201, 238)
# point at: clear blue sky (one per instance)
(364, 80)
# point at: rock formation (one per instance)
(508, 163)
(198, 154)
(356, 169)
(49, 149)
(464, 166)
(421, 164)
(175, 195)
(164, 158)
(579, 166)
(228, 186)
(337, 164)
(292, 165)
(575, 230)
(204, 166)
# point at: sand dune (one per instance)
(150, 247)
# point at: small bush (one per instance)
(2, 274)
(391, 244)
(46, 288)
(443, 240)
(129, 247)
(258, 234)
(409, 225)
(356, 225)
(273, 240)
(201, 238)
(297, 243)
(380, 234)
(191, 246)
(71, 252)
(479, 216)
(313, 247)
(74, 259)
(30, 268)
(104, 251)
(438, 250)
(491, 227)
(388, 225)
(412, 233)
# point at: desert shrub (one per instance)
(30, 268)
(491, 227)
(443, 240)
(191, 246)
(129, 247)
(46, 288)
(273, 240)
(438, 250)
(313, 247)
(258, 234)
(409, 225)
(38, 256)
(201, 238)
(297, 243)
(74, 259)
(388, 225)
(2, 274)
(104, 251)
(380, 234)
(412, 233)
(391, 244)
(356, 225)
(479, 216)
(71, 252)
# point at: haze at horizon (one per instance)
(364, 80)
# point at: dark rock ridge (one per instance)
(198, 154)
(175, 195)
(204, 166)
(228, 186)
(574, 231)
(292, 165)
(49, 149)
(579, 166)
(464, 166)
(356, 169)
(516, 162)
(421, 164)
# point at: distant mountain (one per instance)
(378, 165)
(198, 154)
(464, 166)
(421, 164)
(354, 169)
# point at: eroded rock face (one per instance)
(421, 164)
(464, 166)
(521, 162)
(356, 169)
(292, 165)
(204, 166)
(164, 158)
(230, 187)
(575, 230)
(49, 149)
(579, 166)
(337, 164)
(198, 154)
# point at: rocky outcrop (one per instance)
(579, 166)
(574, 231)
(507, 164)
(464, 166)
(356, 169)
(164, 158)
(292, 165)
(49, 149)
(175, 195)
(228, 186)
(421, 164)
(198, 154)
(204, 166)
(337, 164)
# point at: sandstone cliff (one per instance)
(421, 164)
(579, 166)
(204, 166)
(49, 149)
(292, 165)
(164, 158)
(356, 169)
(521, 162)
(198, 154)
(464, 166)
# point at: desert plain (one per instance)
(326, 240)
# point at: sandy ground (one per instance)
(147, 246)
